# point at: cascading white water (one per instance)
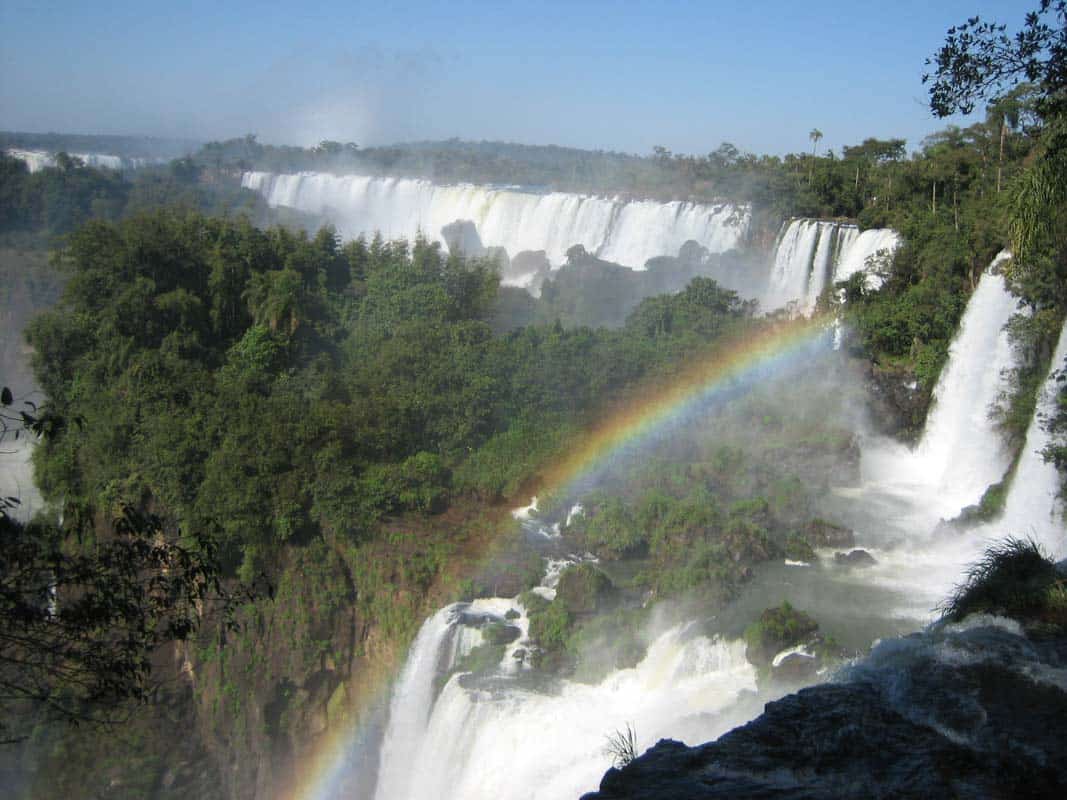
(36, 160)
(961, 452)
(1032, 507)
(504, 738)
(793, 259)
(961, 446)
(16, 476)
(860, 251)
(811, 254)
(523, 743)
(628, 232)
(411, 702)
(39, 159)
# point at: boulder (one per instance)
(820, 533)
(778, 629)
(499, 633)
(584, 589)
(795, 667)
(854, 559)
(462, 236)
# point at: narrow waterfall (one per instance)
(961, 453)
(628, 232)
(794, 258)
(412, 699)
(1032, 507)
(811, 254)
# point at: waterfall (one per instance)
(793, 259)
(858, 251)
(1032, 507)
(39, 159)
(811, 254)
(961, 452)
(412, 697)
(502, 737)
(628, 232)
(16, 476)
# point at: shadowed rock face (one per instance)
(979, 713)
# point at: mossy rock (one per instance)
(499, 633)
(481, 659)
(797, 548)
(777, 629)
(584, 589)
(337, 706)
(551, 626)
(820, 533)
(533, 602)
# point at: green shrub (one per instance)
(798, 549)
(551, 626)
(584, 589)
(1013, 578)
(777, 629)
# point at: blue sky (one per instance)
(614, 76)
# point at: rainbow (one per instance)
(712, 376)
(658, 406)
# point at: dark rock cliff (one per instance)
(972, 711)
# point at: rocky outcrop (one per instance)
(976, 711)
(854, 559)
(899, 403)
(820, 533)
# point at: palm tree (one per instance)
(276, 297)
(815, 135)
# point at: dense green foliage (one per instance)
(1023, 75)
(57, 200)
(269, 385)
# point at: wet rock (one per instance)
(854, 559)
(499, 633)
(899, 402)
(910, 722)
(778, 630)
(820, 533)
(462, 236)
(795, 668)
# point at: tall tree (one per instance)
(979, 60)
(815, 135)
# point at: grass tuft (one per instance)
(1014, 578)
